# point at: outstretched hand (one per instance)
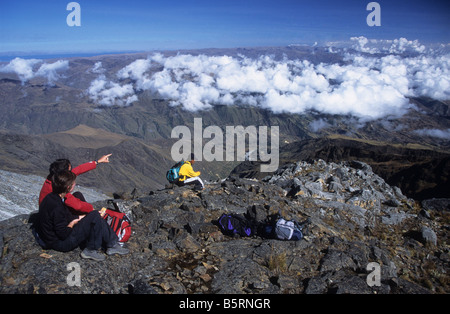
(104, 158)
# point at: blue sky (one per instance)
(31, 26)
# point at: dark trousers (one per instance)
(92, 231)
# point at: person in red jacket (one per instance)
(75, 201)
(59, 229)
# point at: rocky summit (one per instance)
(363, 236)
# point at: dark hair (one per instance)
(58, 166)
(62, 181)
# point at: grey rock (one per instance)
(336, 260)
(428, 235)
(396, 218)
(436, 204)
(177, 247)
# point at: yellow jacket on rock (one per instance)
(186, 171)
(189, 176)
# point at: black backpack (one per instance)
(232, 224)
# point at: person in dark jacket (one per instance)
(61, 230)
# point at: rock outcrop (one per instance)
(421, 172)
(355, 217)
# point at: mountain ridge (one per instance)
(419, 171)
(39, 113)
(176, 246)
(87, 137)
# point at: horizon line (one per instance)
(45, 55)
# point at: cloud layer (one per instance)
(396, 46)
(365, 86)
(374, 80)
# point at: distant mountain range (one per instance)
(53, 116)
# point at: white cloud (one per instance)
(49, 70)
(98, 68)
(360, 44)
(443, 134)
(430, 76)
(396, 46)
(402, 45)
(24, 69)
(108, 93)
(136, 71)
(364, 86)
(318, 125)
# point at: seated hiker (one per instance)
(75, 201)
(189, 176)
(61, 230)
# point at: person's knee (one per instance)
(93, 217)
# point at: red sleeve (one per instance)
(78, 205)
(46, 189)
(84, 168)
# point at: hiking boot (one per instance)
(117, 249)
(93, 254)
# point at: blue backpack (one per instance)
(282, 229)
(173, 175)
(288, 230)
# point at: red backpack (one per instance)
(119, 222)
